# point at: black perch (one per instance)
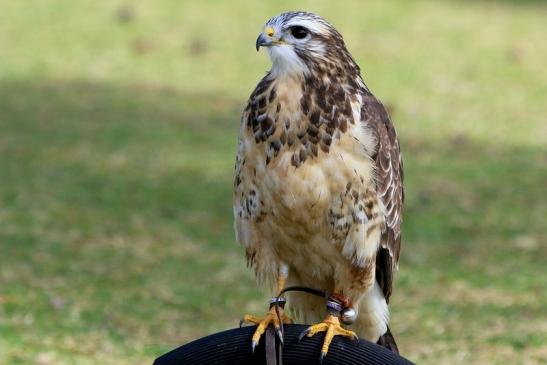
(233, 347)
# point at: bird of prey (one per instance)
(318, 192)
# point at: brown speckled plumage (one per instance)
(318, 177)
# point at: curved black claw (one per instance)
(279, 335)
(241, 321)
(303, 334)
(253, 346)
(322, 357)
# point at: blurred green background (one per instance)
(118, 123)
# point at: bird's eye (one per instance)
(299, 32)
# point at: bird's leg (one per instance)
(274, 315)
(331, 324)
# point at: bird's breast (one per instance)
(297, 199)
(298, 154)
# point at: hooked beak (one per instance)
(263, 41)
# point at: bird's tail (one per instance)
(386, 340)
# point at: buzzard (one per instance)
(318, 192)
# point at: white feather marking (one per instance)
(373, 314)
(312, 24)
(285, 61)
(283, 269)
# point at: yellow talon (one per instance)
(331, 325)
(263, 323)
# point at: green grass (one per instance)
(118, 132)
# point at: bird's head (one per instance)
(301, 42)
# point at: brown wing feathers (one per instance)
(389, 183)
